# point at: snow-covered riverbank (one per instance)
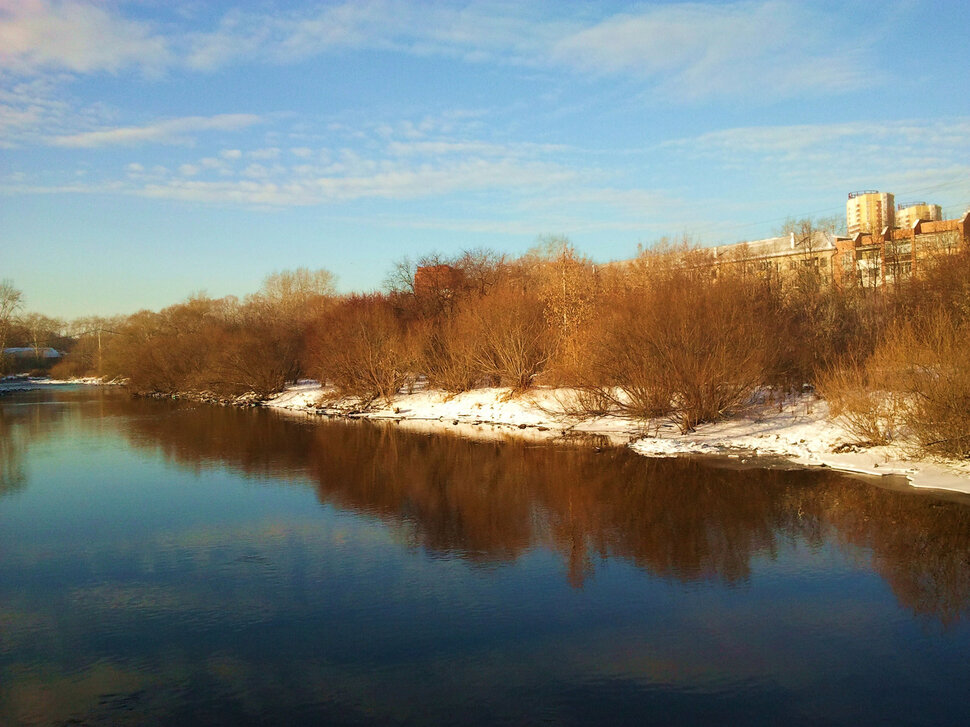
(798, 429)
(25, 383)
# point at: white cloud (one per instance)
(481, 148)
(172, 131)
(694, 50)
(474, 32)
(886, 139)
(75, 36)
(305, 186)
(686, 50)
(264, 154)
(33, 109)
(255, 171)
(913, 158)
(231, 154)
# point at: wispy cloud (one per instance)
(447, 148)
(32, 110)
(172, 131)
(378, 161)
(695, 50)
(286, 187)
(687, 51)
(911, 157)
(476, 31)
(75, 36)
(890, 141)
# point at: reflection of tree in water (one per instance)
(12, 448)
(19, 427)
(490, 502)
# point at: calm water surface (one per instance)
(175, 564)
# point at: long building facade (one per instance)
(780, 256)
(869, 259)
(872, 259)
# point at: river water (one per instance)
(166, 563)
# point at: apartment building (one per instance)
(780, 256)
(869, 211)
(872, 259)
(908, 214)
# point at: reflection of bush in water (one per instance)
(254, 442)
(919, 545)
(490, 502)
(493, 501)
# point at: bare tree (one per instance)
(481, 269)
(10, 302)
(360, 347)
(566, 284)
(400, 278)
(93, 335)
(684, 345)
(296, 295)
(41, 331)
(298, 286)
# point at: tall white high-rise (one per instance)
(869, 211)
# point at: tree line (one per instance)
(666, 334)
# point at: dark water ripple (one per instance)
(170, 564)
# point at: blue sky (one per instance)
(151, 149)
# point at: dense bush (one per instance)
(932, 359)
(213, 345)
(916, 383)
(360, 347)
(446, 352)
(684, 345)
(513, 341)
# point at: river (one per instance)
(170, 563)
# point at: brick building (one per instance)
(437, 279)
(873, 259)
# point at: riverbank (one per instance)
(799, 429)
(26, 383)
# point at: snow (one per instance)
(481, 413)
(797, 429)
(25, 383)
(31, 352)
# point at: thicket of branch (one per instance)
(666, 335)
